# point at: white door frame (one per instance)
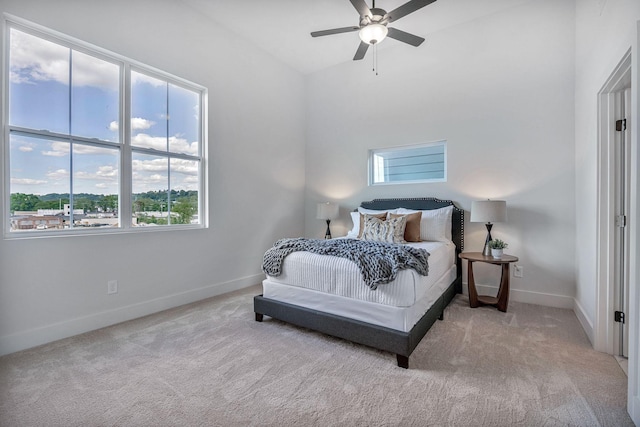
(633, 388)
(603, 334)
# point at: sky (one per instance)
(65, 91)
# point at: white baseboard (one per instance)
(548, 300)
(587, 325)
(633, 408)
(57, 331)
(529, 297)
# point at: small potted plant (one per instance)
(497, 247)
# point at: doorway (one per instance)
(622, 184)
(614, 183)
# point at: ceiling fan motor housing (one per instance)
(377, 15)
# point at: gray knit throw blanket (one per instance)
(379, 262)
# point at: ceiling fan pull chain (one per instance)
(375, 58)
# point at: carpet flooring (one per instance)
(210, 364)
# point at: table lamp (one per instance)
(488, 211)
(327, 211)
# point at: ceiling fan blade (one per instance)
(334, 31)
(407, 8)
(362, 50)
(405, 37)
(361, 7)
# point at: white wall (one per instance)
(605, 31)
(56, 287)
(500, 90)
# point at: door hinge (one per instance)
(621, 125)
(618, 316)
(621, 221)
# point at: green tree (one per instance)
(51, 204)
(23, 202)
(108, 203)
(85, 204)
(185, 208)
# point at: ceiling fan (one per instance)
(373, 25)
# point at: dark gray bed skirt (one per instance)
(398, 342)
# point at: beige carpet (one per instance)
(211, 364)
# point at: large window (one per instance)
(409, 164)
(94, 141)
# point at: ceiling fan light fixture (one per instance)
(373, 33)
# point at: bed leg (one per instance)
(441, 317)
(259, 317)
(403, 361)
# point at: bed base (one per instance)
(381, 338)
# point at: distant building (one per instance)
(36, 222)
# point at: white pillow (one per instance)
(355, 218)
(389, 231)
(355, 230)
(435, 224)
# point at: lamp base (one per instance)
(327, 234)
(487, 250)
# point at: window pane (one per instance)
(184, 191)
(95, 186)
(421, 163)
(184, 120)
(95, 101)
(150, 188)
(39, 83)
(148, 112)
(39, 183)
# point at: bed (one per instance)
(394, 317)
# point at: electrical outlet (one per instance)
(112, 287)
(518, 271)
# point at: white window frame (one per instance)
(374, 157)
(125, 195)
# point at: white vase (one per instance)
(497, 253)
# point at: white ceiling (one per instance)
(283, 27)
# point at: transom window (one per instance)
(95, 141)
(409, 164)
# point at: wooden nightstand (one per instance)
(502, 300)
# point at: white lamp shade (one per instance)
(373, 33)
(327, 210)
(488, 211)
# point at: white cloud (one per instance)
(55, 153)
(107, 171)
(137, 123)
(35, 60)
(25, 148)
(27, 181)
(191, 180)
(186, 167)
(176, 144)
(155, 165)
(58, 174)
(156, 178)
(61, 149)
